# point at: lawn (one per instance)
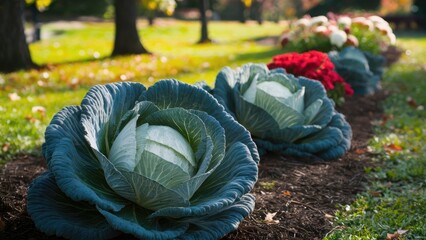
(393, 202)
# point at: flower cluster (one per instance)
(371, 34)
(314, 65)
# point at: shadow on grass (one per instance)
(250, 57)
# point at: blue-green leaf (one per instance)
(80, 179)
(283, 114)
(252, 117)
(217, 225)
(234, 177)
(103, 107)
(312, 110)
(65, 124)
(56, 214)
(134, 220)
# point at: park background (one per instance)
(51, 53)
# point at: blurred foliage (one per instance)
(395, 7)
(247, 3)
(166, 6)
(40, 4)
(72, 8)
(338, 6)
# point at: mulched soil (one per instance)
(303, 195)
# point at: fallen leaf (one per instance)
(411, 102)
(392, 147)
(386, 118)
(360, 151)
(269, 219)
(328, 216)
(396, 235)
(286, 193)
(40, 110)
(14, 97)
(30, 119)
(376, 193)
(5, 147)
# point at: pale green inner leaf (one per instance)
(123, 150)
(295, 101)
(312, 110)
(167, 136)
(275, 89)
(250, 94)
(284, 115)
(163, 155)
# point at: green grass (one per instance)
(69, 73)
(396, 196)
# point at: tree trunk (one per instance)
(151, 17)
(126, 34)
(36, 23)
(14, 51)
(203, 18)
(259, 11)
(243, 10)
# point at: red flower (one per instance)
(314, 65)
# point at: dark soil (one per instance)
(303, 195)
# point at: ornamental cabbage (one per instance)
(284, 113)
(162, 163)
(362, 70)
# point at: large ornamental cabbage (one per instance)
(362, 70)
(284, 113)
(162, 163)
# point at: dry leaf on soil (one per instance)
(269, 219)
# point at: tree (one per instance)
(151, 7)
(126, 40)
(204, 22)
(14, 51)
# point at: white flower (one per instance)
(14, 97)
(384, 28)
(303, 22)
(392, 38)
(321, 29)
(358, 19)
(319, 20)
(377, 19)
(38, 109)
(333, 28)
(338, 38)
(363, 22)
(344, 21)
(353, 41)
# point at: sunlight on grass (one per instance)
(22, 129)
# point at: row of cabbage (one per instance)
(178, 161)
(358, 47)
(175, 161)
